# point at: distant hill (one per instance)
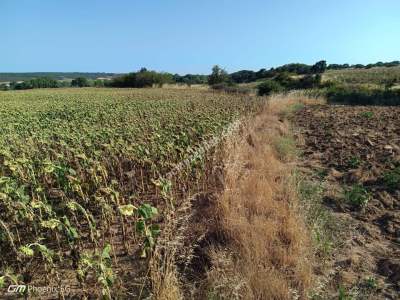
(7, 77)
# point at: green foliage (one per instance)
(36, 83)
(100, 263)
(308, 82)
(343, 294)
(218, 76)
(4, 87)
(98, 83)
(392, 179)
(371, 283)
(80, 82)
(367, 114)
(231, 88)
(28, 250)
(190, 79)
(389, 83)
(9, 77)
(285, 82)
(269, 87)
(8, 275)
(358, 95)
(305, 82)
(318, 217)
(360, 66)
(357, 196)
(285, 147)
(354, 162)
(142, 79)
(143, 225)
(25, 85)
(244, 76)
(319, 67)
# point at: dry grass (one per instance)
(269, 251)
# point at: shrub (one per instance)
(305, 82)
(219, 86)
(25, 85)
(308, 82)
(356, 95)
(231, 88)
(80, 82)
(354, 162)
(319, 67)
(269, 87)
(392, 178)
(285, 80)
(4, 87)
(357, 196)
(367, 114)
(141, 79)
(44, 82)
(35, 83)
(98, 83)
(285, 148)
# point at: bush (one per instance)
(285, 80)
(219, 86)
(230, 88)
(35, 83)
(237, 90)
(357, 196)
(308, 82)
(80, 82)
(269, 87)
(141, 79)
(98, 83)
(4, 87)
(356, 95)
(44, 82)
(25, 85)
(392, 179)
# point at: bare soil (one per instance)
(355, 146)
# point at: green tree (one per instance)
(4, 87)
(98, 83)
(319, 67)
(218, 76)
(44, 82)
(80, 82)
(285, 80)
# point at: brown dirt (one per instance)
(348, 146)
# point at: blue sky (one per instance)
(191, 36)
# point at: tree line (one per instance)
(218, 79)
(46, 82)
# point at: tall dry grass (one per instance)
(269, 250)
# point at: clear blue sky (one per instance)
(191, 36)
